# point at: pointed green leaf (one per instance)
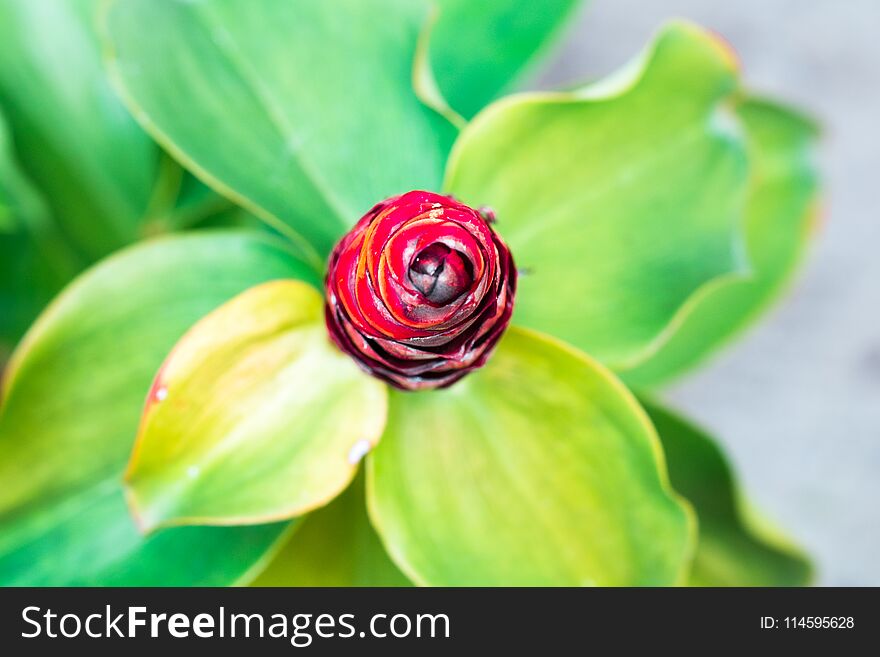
(779, 214)
(75, 139)
(27, 283)
(618, 201)
(732, 549)
(539, 469)
(334, 546)
(478, 49)
(72, 399)
(425, 81)
(305, 136)
(33, 264)
(20, 203)
(255, 416)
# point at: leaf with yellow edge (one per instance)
(72, 396)
(253, 417)
(539, 469)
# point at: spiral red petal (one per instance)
(420, 290)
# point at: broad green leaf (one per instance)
(334, 546)
(255, 416)
(779, 214)
(75, 139)
(304, 111)
(53, 546)
(72, 399)
(618, 201)
(478, 49)
(732, 549)
(539, 469)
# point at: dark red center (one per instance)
(441, 274)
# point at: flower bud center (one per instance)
(441, 274)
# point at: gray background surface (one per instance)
(796, 401)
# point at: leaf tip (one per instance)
(729, 54)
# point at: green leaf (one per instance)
(75, 139)
(21, 205)
(539, 469)
(334, 546)
(479, 49)
(187, 203)
(317, 116)
(779, 214)
(618, 201)
(198, 206)
(73, 396)
(26, 285)
(255, 416)
(733, 549)
(34, 261)
(425, 82)
(54, 545)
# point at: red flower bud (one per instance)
(420, 290)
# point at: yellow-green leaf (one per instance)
(71, 400)
(619, 200)
(255, 416)
(539, 469)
